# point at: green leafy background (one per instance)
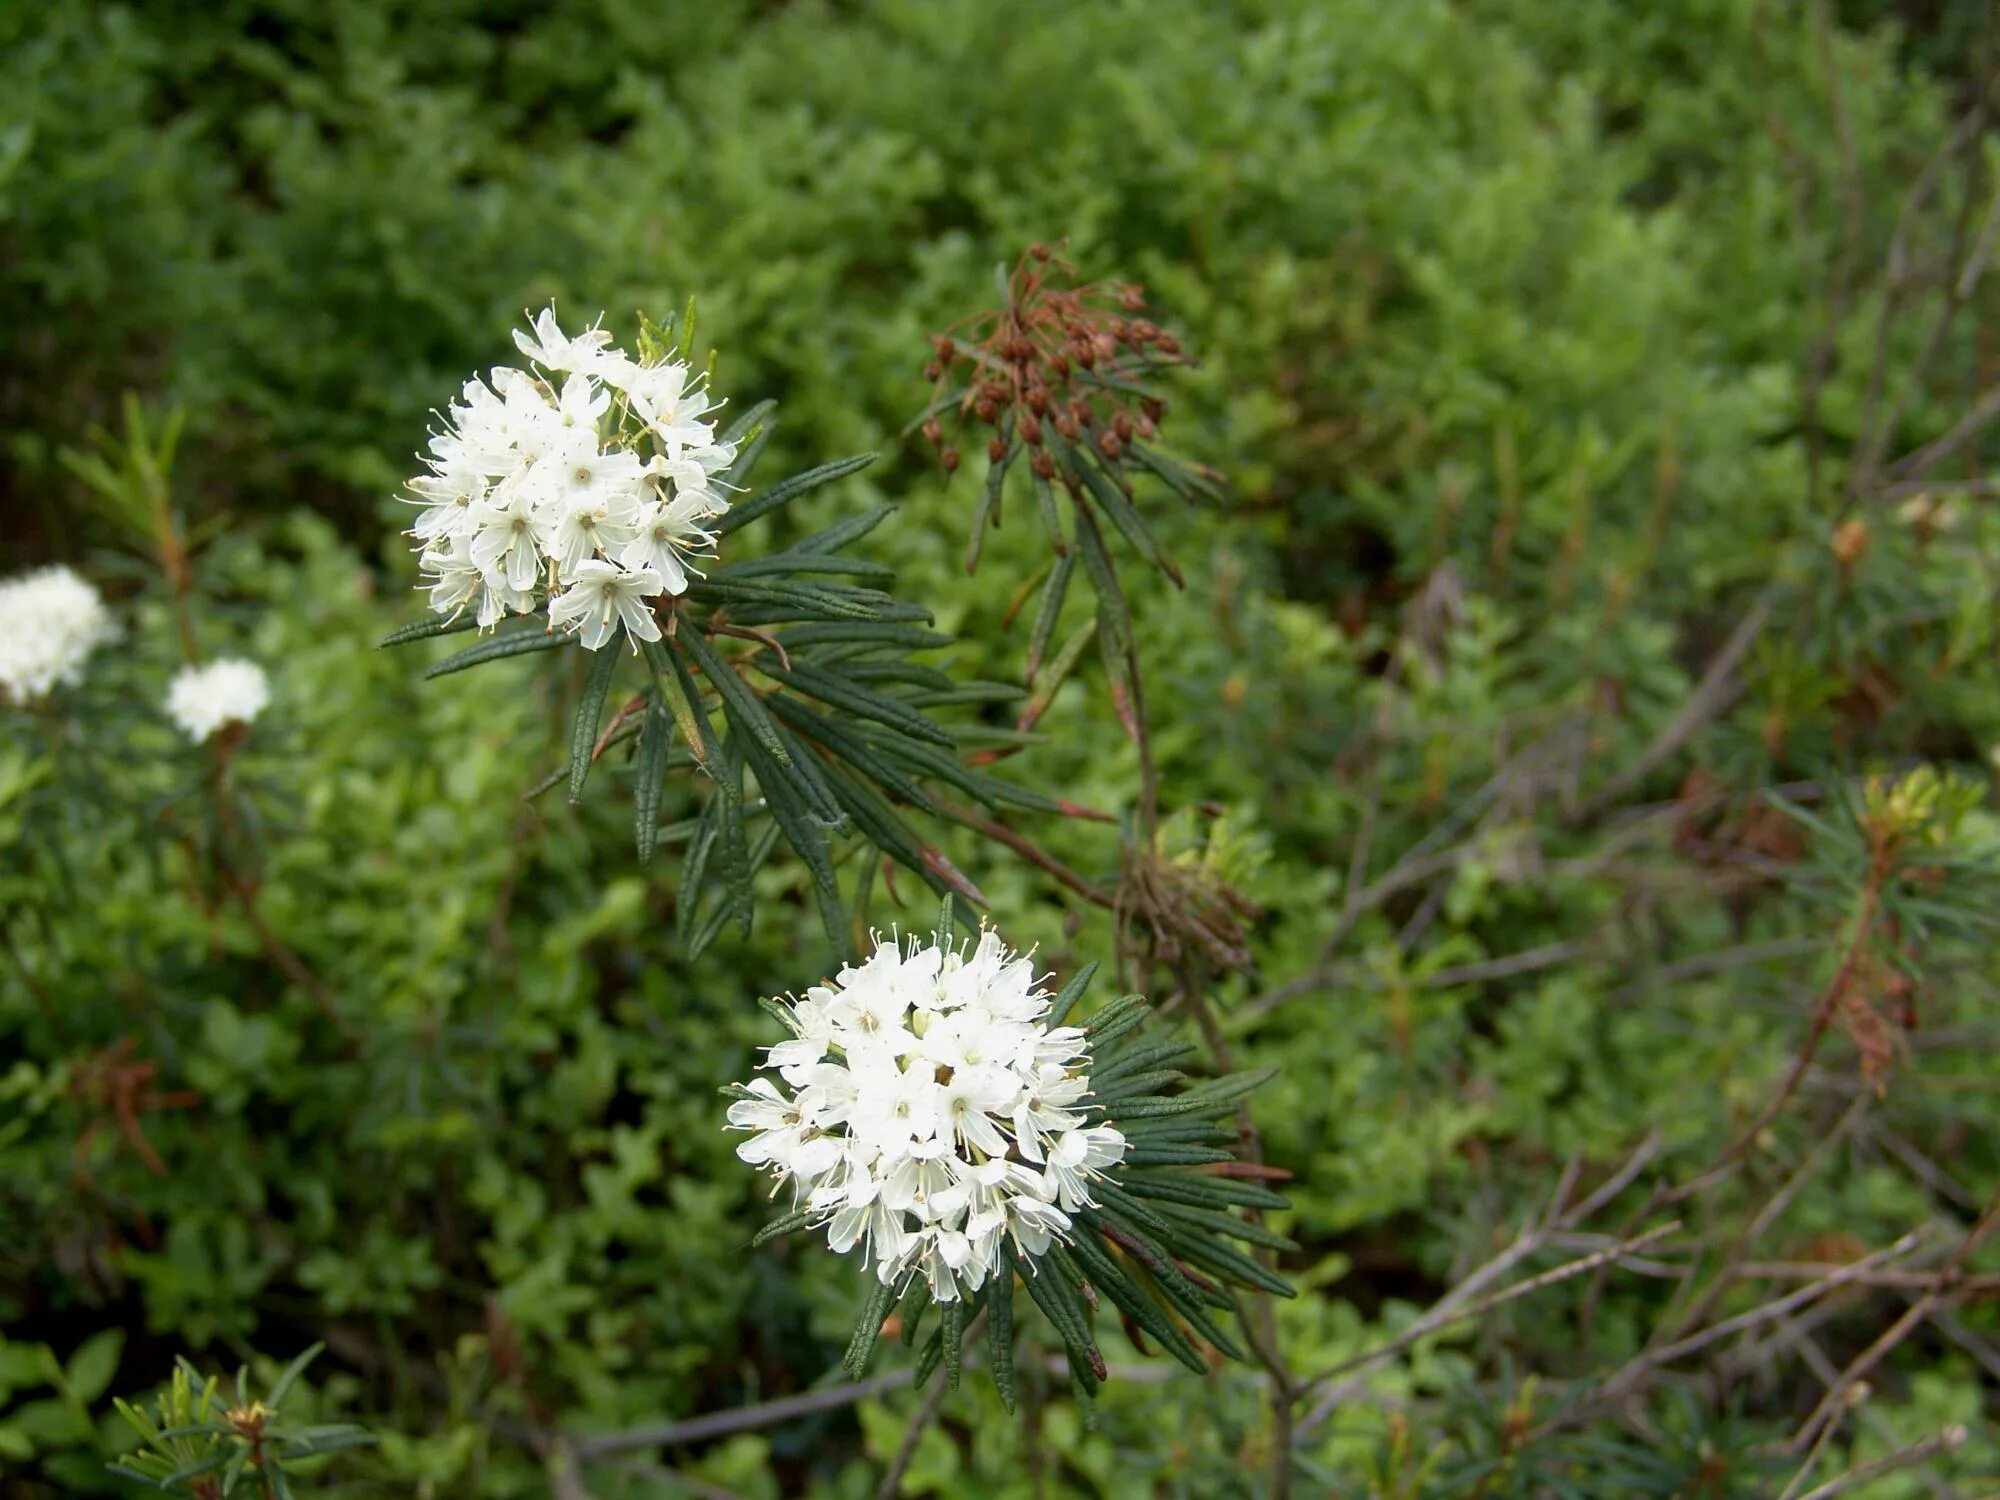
(1503, 313)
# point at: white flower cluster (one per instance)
(228, 690)
(589, 477)
(935, 1113)
(50, 622)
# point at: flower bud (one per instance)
(949, 458)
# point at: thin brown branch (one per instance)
(1024, 846)
(906, 1452)
(1948, 1440)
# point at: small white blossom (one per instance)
(590, 471)
(602, 598)
(203, 699)
(935, 1114)
(50, 622)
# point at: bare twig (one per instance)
(920, 1421)
(741, 1418)
(1948, 1440)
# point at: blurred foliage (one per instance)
(1537, 343)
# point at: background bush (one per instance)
(1537, 342)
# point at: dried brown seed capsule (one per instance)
(946, 348)
(1066, 424)
(1086, 355)
(949, 458)
(1039, 251)
(1167, 344)
(1145, 426)
(1031, 429)
(1020, 351)
(1118, 328)
(1154, 408)
(1059, 365)
(933, 370)
(1108, 444)
(996, 450)
(1122, 425)
(985, 410)
(1080, 410)
(1043, 464)
(1038, 399)
(932, 431)
(1105, 345)
(1132, 298)
(1144, 330)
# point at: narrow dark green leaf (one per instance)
(851, 697)
(868, 1328)
(789, 489)
(1108, 1066)
(952, 1319)
(423, 630)
(290, 1376)
(829, 731)
(790, 600)
(1058, 673)
(1070, 993)
(1200, 1192)
(841, 533)
(1045, 506)
(1000, 1333)
(1108, 1278)
(797, 1219)
(789, 564)
(589, 710)
(739, 703)
(1185, 480)
(1229, 1226)
(513, 643)
(1176, 1156)
(1117, 1018)
(1054, 592)
(656, 734)
(988, 510)
(871, 633)
(678, 688)
(687, 900)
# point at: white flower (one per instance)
(591, 456)
(549, 348)
(922, 1076)
(50, 622)
(601, 598)
(229, 690)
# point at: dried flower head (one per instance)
(1062, 369)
